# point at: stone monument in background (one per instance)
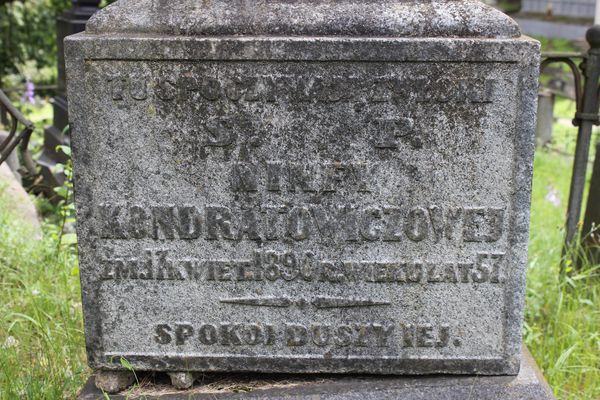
(68, 23)
(302, 186)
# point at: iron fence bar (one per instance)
(585, 117)
(13, 139)
(586, 79)
(3, 115)
(13, 111)
(550, 59)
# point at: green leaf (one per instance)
(61, 191)
(58, 167)
(69, 238)
(126, 364)
(64, 132)
(64, 149)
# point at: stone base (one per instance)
(529, 384)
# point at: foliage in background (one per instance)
(28, 38)
(560, 45)
(509, 6)
(104, 3)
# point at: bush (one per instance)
(28, 33)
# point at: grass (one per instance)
(42, 352)
(562, 322)
(41, 338)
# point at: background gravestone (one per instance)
(303, 186)
(71, 21)
(545, 117)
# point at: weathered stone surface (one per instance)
(320, 198)
(18, 202)
(182, 380)
(113, 381)
(437, 18)
(529, 384)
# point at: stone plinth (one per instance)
(529, 384)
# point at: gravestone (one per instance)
(308, 186)
(545, 117)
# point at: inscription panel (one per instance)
(301, 210)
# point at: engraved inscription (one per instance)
(315, 210)
(352, 334)
(275, 176)
(224, 334)
(303, 222)
(301, 89)
(271, 266)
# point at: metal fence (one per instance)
(586, 77)
(15, 138)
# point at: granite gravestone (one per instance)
(306, 186)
